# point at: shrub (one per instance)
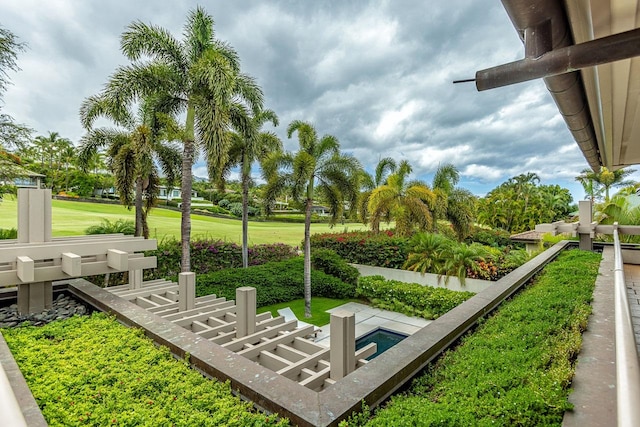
(516, 367)
(274, 282)
(8, 233)
(496, 238)
(107, 227)
(411, 299)
(224, 203)
(333, 264)
(94, 371)
(382, 249)
(212, 255)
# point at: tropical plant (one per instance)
(11, 133)
(384, 167)
(110, 227)
(247, 146)
(456, 205)
(409, 203)
(318, 168)
(199, 76)
(133, 151)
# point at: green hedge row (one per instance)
(517, 367)
(411, 299)
(274, 282)
(365, 247)
(93, 371)
(212, 255)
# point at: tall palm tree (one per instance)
(592, 188)
(410, 203)
(247, 146)
(318, 168)
(453, 204)
(132, 151)
(384, 167)
(199, 76)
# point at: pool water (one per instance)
(384, 338)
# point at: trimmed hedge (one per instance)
(517, 367)
(333, 264)
(382, 249)
(411, 299)
(212, 255)
(95, 371)
(274, 282)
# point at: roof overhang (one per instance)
(587, 52)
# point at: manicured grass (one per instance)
(72, 218)
(94, 371)
(319, 307)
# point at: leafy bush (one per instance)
(382, 249)
(212, 255)
(411, 299)
(333, 264)
(8, 233)
(496, 238)
(107, 227)
(224, 203)
(516, 367)
(274, 282)
(94, 371)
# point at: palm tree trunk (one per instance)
(245, 215)
(138, 207)
(186, 187)
(307, 258)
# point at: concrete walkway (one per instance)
(632, 279)
(369, 319)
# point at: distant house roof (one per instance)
(527, 236)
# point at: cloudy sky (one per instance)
(375, 74)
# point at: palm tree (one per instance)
(592, 188)
(384, 167)
(411, 204)
(199, 76)
(247, 146)
(453, 204)
(132, 151)
(318, 168)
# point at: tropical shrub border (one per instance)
(516, 368)
(94, 371)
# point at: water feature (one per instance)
(384, 338)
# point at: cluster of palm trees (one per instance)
(520, 203)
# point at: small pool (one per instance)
(384, 338)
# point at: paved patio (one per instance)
(632, 280)
(369, 318)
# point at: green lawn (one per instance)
(72, 218)
(319, 307)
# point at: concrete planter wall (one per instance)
(426, 279)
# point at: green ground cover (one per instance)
(94, 371)
(71, 218)
(517, 367)
(319, 307)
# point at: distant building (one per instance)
(26, 180)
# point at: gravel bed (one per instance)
(63, 307)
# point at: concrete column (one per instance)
(342, 344)
(245, 311)
(585, 212)
(135, 279)
(186, 291)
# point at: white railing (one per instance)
(627, 368)
(9, 407)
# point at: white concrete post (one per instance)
(585, 213)
(245, 311)
(34, 226)
(135, 279)
(186, 291)
(342, 344)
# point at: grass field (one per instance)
(319, 307)
(72, 218)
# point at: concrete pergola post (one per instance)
(186, 291)
(245, 311)
(342, 344)
(34, 226)
(586, 218)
